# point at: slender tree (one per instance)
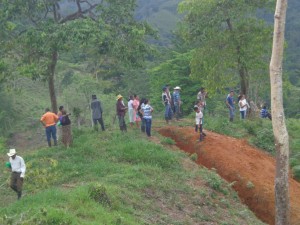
(278, 119)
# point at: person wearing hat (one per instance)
(177, 101)
(49, 120)
(97, 113)
(18, 169)
(121, 110)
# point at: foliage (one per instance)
(231, 42)
(175, 72)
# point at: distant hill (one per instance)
(162, 15)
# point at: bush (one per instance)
(265, 140)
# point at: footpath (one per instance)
(250, 170)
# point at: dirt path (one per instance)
(252, 170)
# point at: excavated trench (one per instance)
(251, 169)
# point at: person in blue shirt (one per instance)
(230, 104)
(264, 113)
(177, 101)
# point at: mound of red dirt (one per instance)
(252, 170)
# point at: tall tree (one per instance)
(230, 41)
(44, 29)
(278, 118)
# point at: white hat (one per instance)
(11, 152)
(177, 88)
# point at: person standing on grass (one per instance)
(167, 103)
(135, 104)
(121, 110)
(18, 169)
(49, 120)
(198, 120)
(141, 105)
(97, 112)
(66, 129)
(59, 129)
(147, 115)
(230, 104)
(243, 104)
(130, 111)
(264, 113)
(177, 101)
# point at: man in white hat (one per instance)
(177, 101)
(18, 169)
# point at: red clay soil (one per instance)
(252, 170)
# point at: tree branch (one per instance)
(79, 14)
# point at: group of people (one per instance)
(138, 111)
(172, 102)
(50, 120)
(243, 107)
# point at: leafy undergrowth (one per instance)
(114, 178)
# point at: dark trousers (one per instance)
(143, 125)
(148, 127)
(51, 131)
(122, 123)
(242, 114)
(16, 183)
(100, 121)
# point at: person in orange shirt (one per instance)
(49, 120)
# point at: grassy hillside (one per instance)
(114, 178)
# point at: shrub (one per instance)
(98, 193)
(296, 172)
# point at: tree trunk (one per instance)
(282, 205)
(51, 71)
(242, 68)
(244, 80)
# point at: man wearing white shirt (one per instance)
(18, 169)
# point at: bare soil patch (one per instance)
(251, 170)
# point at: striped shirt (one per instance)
(147, 110)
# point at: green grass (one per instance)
(114, 178)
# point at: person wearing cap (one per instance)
(49, 120)
(97, 112)
(18, 170)
(121, 110)
(177, 101)
(230, 104)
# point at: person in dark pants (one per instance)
(230, 104)
(141, 105)
(97, 113)
(18, 170)
(147, 116)
(49, 120)
(121, 110)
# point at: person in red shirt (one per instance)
(49, 120)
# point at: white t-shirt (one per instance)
(243, 102)
(130, 104)
(198, 118)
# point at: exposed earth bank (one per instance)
(251, 170)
